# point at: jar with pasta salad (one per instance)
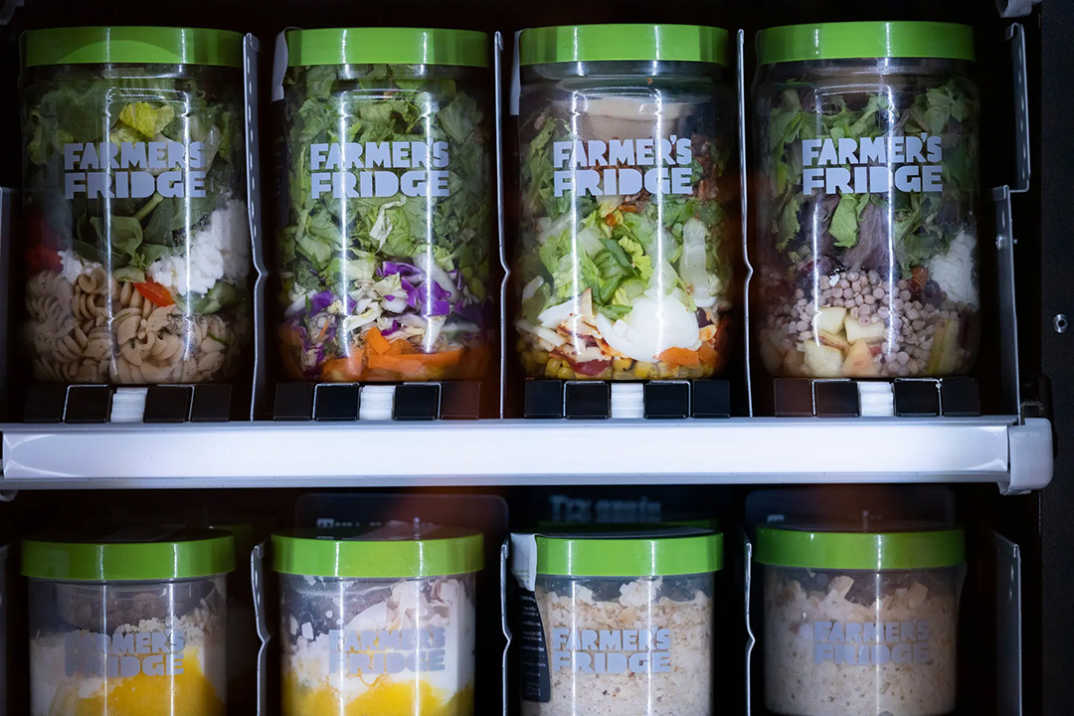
(137, 243)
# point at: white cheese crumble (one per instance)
(954, 271)
(222, 250)
(74, 266)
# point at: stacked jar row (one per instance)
(384, 621)
(627, 259)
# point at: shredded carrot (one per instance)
(628, 208)
(414, 364)
(610, 219)
(377, 342)
(342, 370)
(681, 356)
(708, 355)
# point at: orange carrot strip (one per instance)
(414, 363)
(376, 341)
(342, 370)
(708, 355)
(681, 356)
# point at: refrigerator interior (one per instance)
(1011, 661)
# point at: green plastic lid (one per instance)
(860, 550)
(599, 43)
(131, 45)
(396, 551)
(865, 40)
(387, 45)
(660, 553)
(130, 555)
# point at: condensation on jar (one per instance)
(384, 235)
(866, 238)
(629, 237)
(617, 623)
(129, 626)
(378, 621)
(860, 622)
(137, 240)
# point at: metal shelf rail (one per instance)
(999, 449)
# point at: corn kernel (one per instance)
(551, 368)
(642, 371)
(567, 373)
(621, 363)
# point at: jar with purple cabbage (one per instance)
(866, 246)
(384, 248)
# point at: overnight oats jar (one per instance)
(860, 623)
(866, 244)
(378, 622)
(628, 246)
(130, 624)
(617, 623)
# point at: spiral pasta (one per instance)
(100, 330)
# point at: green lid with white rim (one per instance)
(395, 551)
(131, 45)
(623, 43)
(130, 555)
(873, 551)
(865, 40)
(660, 553)
(387, 45)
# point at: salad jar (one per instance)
(860, 622)
(617, 623)
(629, 237)
(866, 246)
(386, 235)
(380, 622)
(124, 626)
(137, 235)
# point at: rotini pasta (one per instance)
(101, 330)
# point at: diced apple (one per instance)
(874, 332)
(830, 319)
(794, 365)
(950, 358)
(859, 362)
(823, 361)
(835, 340)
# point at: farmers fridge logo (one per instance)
(333, 169)
(610, 651)
(871, 644)
(600, 168)
(124, 654)
(872, 165)
(134, 170)
(387, 651)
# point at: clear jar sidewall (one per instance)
(899, 263)
(170, 191)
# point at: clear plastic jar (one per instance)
(129, 627)
(629, 239)
(860, 623)
(386, 235)
(619, 624)
(136, 226)
(378, 623)
(866, 243)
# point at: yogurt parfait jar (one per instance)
(860, 622)
(378, 622)
(129, 624)
(867, 153)
(618, 623)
